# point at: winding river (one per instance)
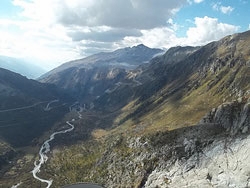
(43, 157)
(45, 148)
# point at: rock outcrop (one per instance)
(224, 163)
(6, 155)
(233, 116)
(213, 153)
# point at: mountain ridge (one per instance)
(116, 57)
(93, 75)
(180, 120)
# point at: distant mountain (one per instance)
(21, 67)
(92, 76)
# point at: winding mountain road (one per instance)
(48, 108)
(23, 108)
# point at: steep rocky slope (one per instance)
(216, 161)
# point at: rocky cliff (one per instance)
(233, 116)
(221, 160)
(206, 155)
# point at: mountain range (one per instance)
(168, 83)
(90, 77)
(148, 118)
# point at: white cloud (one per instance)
(222, 9)
(55, 31)
(226, 10)
(36, 43)
(172, 25)
(101, 34)
(198, 1)
(154, 38)
(216, 6)
(208, 29)
(135, 14)
(194, 1)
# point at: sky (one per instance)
(51, 32)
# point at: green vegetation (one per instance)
(74, 164)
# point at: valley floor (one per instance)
(208, 154)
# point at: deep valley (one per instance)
(142, 118)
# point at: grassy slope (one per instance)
(202, 91)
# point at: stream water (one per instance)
(43, 157)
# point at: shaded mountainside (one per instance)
(22, 104)
(16, 89)
(92, 76)
(85, 84)
(24, 115)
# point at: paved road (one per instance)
(22, 108)
(83, 185)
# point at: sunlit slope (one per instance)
(179, 94)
